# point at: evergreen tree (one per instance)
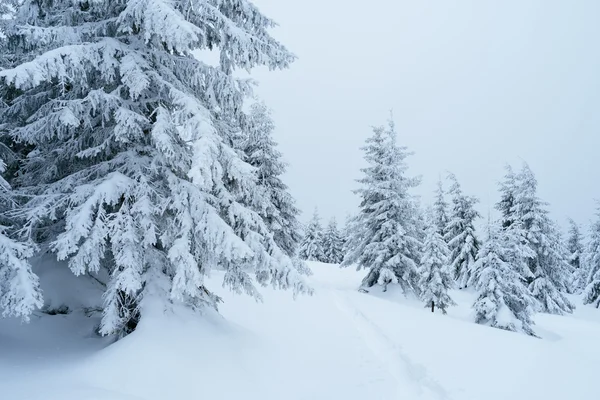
(591, 293)
(349, 234)
(333, 244)
(549, 266)
(506, 204)
(576, 251)
(436, 276)
(386, 239)
(311, 247)
(503, 300)
(20, 292)
(460, 234)
(440, 210)
(420, 220)
(276, 205)
(128, 140)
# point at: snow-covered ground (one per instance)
(337, 344)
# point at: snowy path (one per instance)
(412, 378)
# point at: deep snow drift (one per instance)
(337, 344)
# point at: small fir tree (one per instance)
(440, 210)
(311, 248)
(460, 233)
(506, 204)
(576, 251)
(333, 244)
(436, 276)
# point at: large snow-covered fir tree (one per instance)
(591, 293)
(436, 276)
(276, 205)
(503, 300)
(333, 244)
(549, 265)
(440, 210)
(460, 233)
(576, 251)
(386, 238)
(128, 162)
(311, 247)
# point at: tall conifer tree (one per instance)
(386, 240)
(460, 235)
(128, 144)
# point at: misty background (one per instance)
(473, 85)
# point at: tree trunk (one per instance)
(432, 306)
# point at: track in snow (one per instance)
(412, 378)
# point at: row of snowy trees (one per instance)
(394, 241)
(523, 265)
(322, 245)
(126, 155)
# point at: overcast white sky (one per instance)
(473, 84)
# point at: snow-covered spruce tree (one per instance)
(576, 251)
(351, 235)
(276, 205)
(440, 210)
(507, 189)
(311, 247)
(20, 292)
(591, 293)
(436, 276)
(129, 163)
(385, 240)
(333, 244)
(549, 265)
(460, 233)
(503, 300)
(420, 220)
